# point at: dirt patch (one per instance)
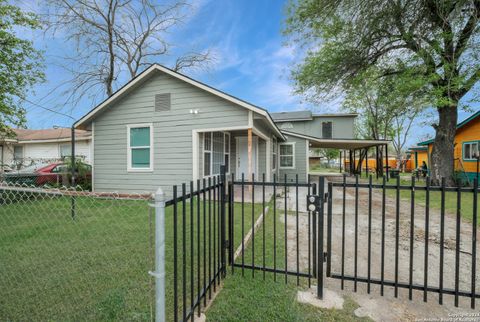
(388, 307)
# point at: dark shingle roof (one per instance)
(291, 116)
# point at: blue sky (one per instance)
(251, 60)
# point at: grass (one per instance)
(255, 296)
(94, 267)
(251, 299)
(466, 209)
(322, 169)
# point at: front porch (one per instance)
(246, 154)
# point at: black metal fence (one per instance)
(198, 254)
(277, 229)
(417, 237)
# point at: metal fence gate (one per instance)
(402, 237)
(271, 230)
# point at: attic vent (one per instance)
(162, 102)
(287, 125)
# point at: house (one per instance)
(30, 147)
(164, 128)
(466, 150)
(418, 155)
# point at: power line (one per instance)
(48, 109)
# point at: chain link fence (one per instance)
(72, 255)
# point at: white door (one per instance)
(242, 157)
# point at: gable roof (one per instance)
(469, 119)
(159, 68)
(292, 116)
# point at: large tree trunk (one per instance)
(442, 163)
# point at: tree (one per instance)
(113, 36)
(435, 43)
(20, 65)
(330, 154)
(387, 108)
(400, 130)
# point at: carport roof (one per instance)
(343, 144)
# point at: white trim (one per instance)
(225, 134)
(92, 156)
(129, 150)
(268, 158)
(275, 143)
(195, 163)
(280, 155)
(250, 119)
(156, 67)
(308, 158)
(259, 133)
(340, 141)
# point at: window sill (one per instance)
(139, 170)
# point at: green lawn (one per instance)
(252, 299)
(245, 297)
(94, 267)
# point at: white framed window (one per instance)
(470, 150)
(65, 150)
(287, 155)
(274, 154)
(18, 152)
(216, 152)
(140, 147)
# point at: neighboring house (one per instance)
(30, 147)
(466, 149)
(164, 128)
(418, 155)
(323, 126)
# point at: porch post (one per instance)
(249, 142)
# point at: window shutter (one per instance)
(327, 130)
(162, 102)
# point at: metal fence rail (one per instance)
(198, 223)
(393, 210)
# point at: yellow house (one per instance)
(419, 154)
(467, 143)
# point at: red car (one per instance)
(55, 173)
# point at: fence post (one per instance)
(223, 200)
(159, 273)
(320, 258)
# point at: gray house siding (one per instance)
(300, 161)
(342, 127)
(172, 134)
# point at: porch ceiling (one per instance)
(343, 144)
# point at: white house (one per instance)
(30, 147)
